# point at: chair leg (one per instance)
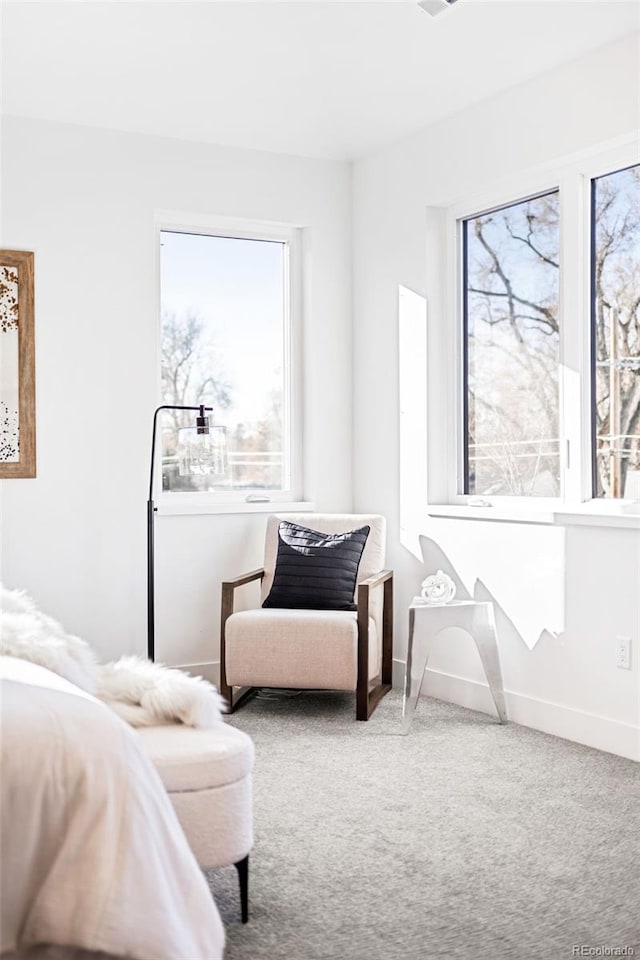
(242, 866)
(226, 609)
(366, 699)
(225, 688)
(244, 694)
(387, 631)
(362, 684)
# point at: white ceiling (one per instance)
(327, 79)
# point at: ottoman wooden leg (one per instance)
(242, 866)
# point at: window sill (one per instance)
(167, 508)
(625, 516)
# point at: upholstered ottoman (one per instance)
(207, 774)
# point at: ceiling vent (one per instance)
(435, 6)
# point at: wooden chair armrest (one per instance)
(366, 699)
(228, 588)
(244, 578)
(226, 609)
(375, 580)
(366, 592)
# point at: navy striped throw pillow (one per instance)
(314, 570)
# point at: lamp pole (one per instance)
(202, 427)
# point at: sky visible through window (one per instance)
(236, 288)
(223, 315)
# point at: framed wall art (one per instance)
(17, 366)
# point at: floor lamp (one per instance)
(216, 447)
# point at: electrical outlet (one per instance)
(623, 652)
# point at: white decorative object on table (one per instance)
(438, 588)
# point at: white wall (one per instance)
(567, 684)
(74, 537)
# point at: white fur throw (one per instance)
(145, 693)
(30, 635)
(141, 692)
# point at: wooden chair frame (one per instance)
(368, 694)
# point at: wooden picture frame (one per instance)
(17, 365)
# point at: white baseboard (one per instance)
(612, 736)
(208, 671)
(589, 729)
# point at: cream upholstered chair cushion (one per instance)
(297, 648)
(313, 649)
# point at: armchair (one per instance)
(312, 649)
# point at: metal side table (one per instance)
(426, 621)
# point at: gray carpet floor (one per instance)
(465, 840)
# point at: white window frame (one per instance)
(573, 180)
(247, 501)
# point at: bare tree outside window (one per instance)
(224, 314)
(616, 333)
(512, 341)
(191, 372)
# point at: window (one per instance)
(539, 397)
(227, 312)
(615, 304)
(512, 341)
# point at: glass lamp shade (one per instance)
(202, 454)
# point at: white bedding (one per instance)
(92, 854)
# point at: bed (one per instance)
(93, 860)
